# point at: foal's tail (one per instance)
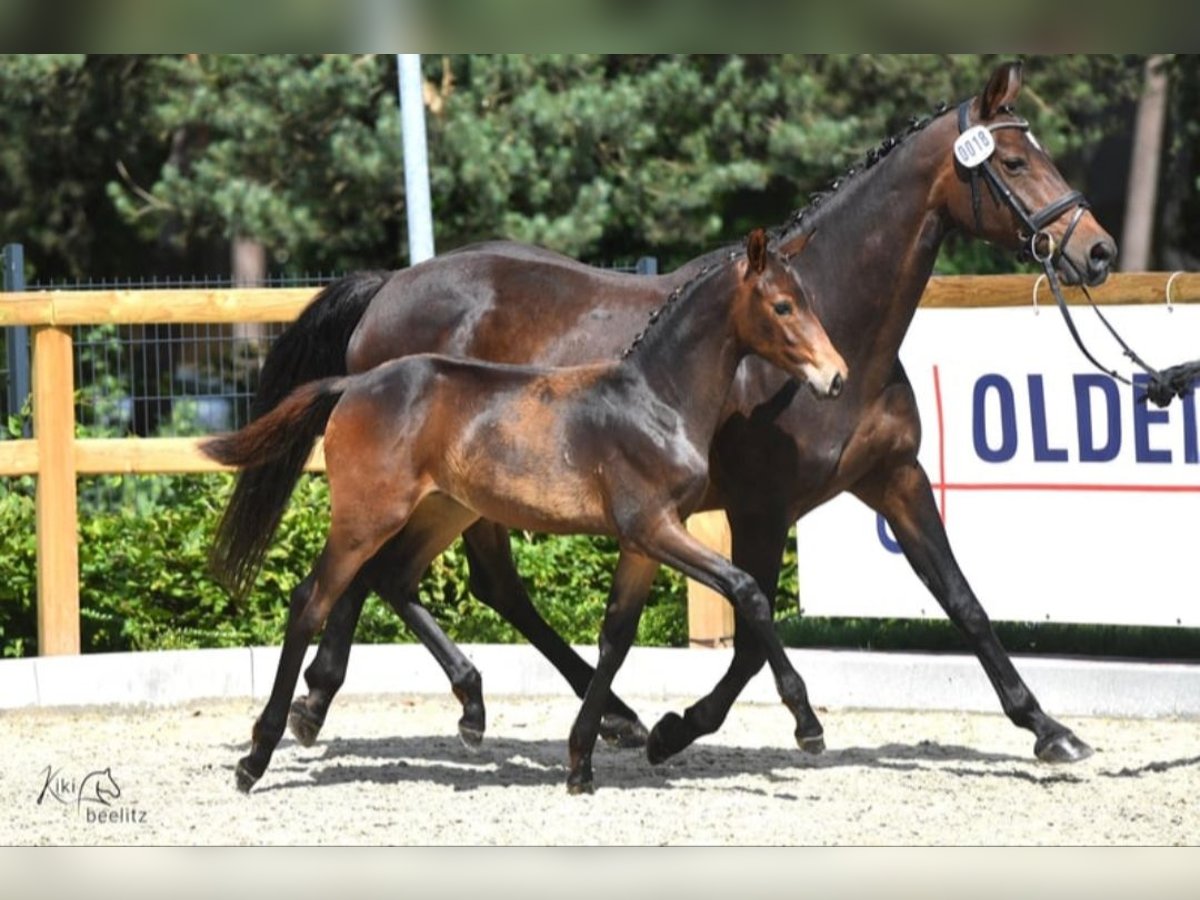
(312, 347)
(281, 433)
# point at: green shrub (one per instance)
(18, 575)
(144, 581)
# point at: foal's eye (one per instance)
(783, 308)
(1014, 164)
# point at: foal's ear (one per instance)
(756, 252)
(1002, 90)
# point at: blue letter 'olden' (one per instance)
(1007, 447)
(1042, 451)
(1144, 415)
(1085, 387)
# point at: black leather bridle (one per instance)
(1039, 245)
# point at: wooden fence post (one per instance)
(57, 535)
(710, 615)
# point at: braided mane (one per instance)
(874, 155)
(688, 287)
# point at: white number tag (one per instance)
(974, 146)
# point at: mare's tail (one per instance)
(311, 348)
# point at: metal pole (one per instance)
(416, 161)
(17, 337)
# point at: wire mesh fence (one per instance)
(168, 379)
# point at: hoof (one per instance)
(1062, 748)
(303, 724)
(812, 743)
(471, 736)
(667, 738)
(623, 732)
(576, 787)
(244, 777)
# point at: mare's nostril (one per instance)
(1102, 253)
(835, 386)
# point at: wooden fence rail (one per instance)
(56, 457)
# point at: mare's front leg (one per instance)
(758, 544)
(494, 581)
(902, 493)
(631, 583)
(671, 543)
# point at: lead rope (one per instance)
(1163, 384)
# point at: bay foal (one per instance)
(418, 449)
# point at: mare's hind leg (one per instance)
(758, 543)
(902, 493)
(494, 581)
(671, 543)
(631, 584)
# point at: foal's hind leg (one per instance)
(631, 584)
(327, 671)
(395, 573)
(904, 496)
(310, 604)
(494, 580)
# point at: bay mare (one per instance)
(420, 447)
(777, 454)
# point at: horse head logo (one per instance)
(99, 787)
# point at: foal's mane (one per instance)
(687, 288)
(797, 219)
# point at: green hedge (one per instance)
(144, 585)
(144, 582)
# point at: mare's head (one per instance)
(1000, 185)
(776, 321)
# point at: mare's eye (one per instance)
(1014, 164)
(783, 308)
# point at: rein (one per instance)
(1163, 385)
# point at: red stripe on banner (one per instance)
(941, 421)
(1082, 488)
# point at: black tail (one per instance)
(311, 348)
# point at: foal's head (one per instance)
(1004, 188)
(776, 321)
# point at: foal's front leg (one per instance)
(758, 544)
(672, 544)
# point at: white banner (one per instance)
(1065, 499)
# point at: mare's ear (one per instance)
(1002, 90)
(756, 252)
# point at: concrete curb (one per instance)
(835, 678)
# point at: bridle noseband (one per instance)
(1039, 245)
